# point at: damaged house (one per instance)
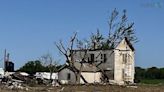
(89, 72)
(111, 65)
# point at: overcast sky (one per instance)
(29, 28)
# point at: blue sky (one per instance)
(29, 28)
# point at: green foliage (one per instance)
(140, 73)
(152, 75)
(153, 81)
(96, 40)
(32, 67)
(162, 73)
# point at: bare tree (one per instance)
(68, 52)
(50, 63)
(83, 47)
(96, 40)
(119, 28)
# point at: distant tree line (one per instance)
(32, 67)
(149, 73)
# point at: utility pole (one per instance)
(8, 65)
(5, 60)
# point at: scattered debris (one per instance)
(132, 86)
(23, 81)
(60, 90)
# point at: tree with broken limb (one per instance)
(68, 52)
(119, 28)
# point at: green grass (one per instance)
(153, 81)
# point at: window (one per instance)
(91, 58)
(129, 59)
(68, 76)
(124, 58)
(101, 56)
(105, 58)
(123, 73)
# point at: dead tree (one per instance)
(120, 28)
(68, 52)
(50, 63)
(83, 47)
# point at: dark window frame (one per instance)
(92, 58)
(68, 76)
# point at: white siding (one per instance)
(91, 77)
(63, 75)
(117, 67)
(124, 71)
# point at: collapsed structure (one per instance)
(113, 65)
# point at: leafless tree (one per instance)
(68, 53)
(50, 63)
(119, 28)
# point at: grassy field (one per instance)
(92, 88)
(153, 81)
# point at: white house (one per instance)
(116, 64)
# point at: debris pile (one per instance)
(22, 81)
(14, 85)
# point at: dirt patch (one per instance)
(90, 88)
